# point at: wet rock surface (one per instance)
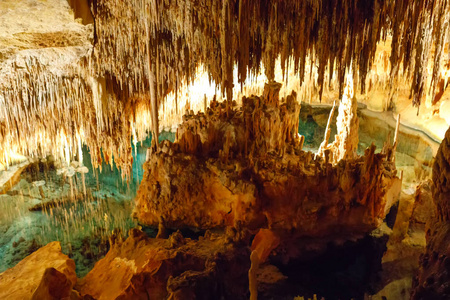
(215, 265)
(64, 84)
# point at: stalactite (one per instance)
(59, 112)
(250, 32)
(154, 106)
(328, 37)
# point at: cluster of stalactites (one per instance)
(44, 111)
(157, 45)
(418, 28)
(172, 37)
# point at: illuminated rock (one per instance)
(346, 141)
(227, 170)
(63, 83)
(11, 177)
(46, 264)
(174, 268)
(263, 243)
(54, 286)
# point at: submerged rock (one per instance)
(39, 183)
(11, 177)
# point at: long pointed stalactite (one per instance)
(177, 36)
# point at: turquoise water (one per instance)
(83, 225)
(312, 131)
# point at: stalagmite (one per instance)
(324, 145)
(346, 140)
(394, 146)
(252, 282)
(223, 170)
(237, 166)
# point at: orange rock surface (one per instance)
(174, 268)
(21, 281)
(433, 279)
(246, 166)
(264, 242)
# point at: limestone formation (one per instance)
(45, 274)
(337, 35)
(10, 177)
(173, 268)
(108, 73)
(346, 141)
(54, 286)
(432, 280)
(233, 167)
(99, 82)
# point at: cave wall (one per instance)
(432, 280)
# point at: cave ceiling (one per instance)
(65, 82)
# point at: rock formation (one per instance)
(346, 142)
(138, 268)
(100, 74)
(99, 83)
(10, 177)
(232, 167)
(173, 268)
(45, 274)
(433, 280)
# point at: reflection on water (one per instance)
(46, 206)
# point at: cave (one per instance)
(232, 149)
